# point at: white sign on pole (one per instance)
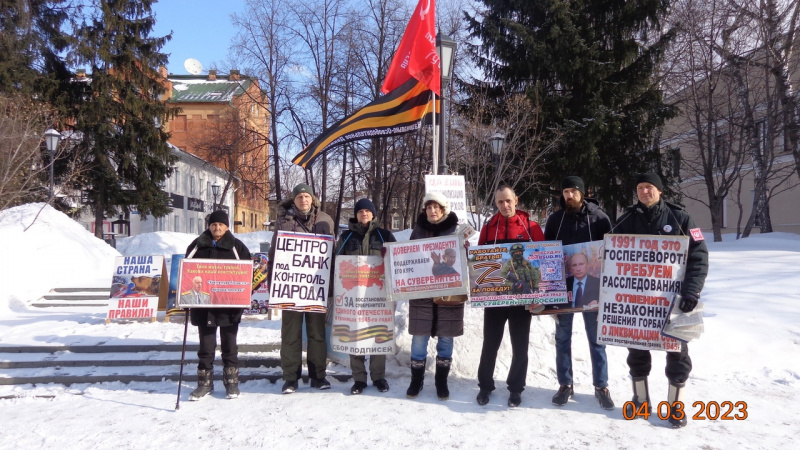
(452, 187)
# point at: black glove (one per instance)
(688, 302)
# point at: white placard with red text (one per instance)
(641, 275)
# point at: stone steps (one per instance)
(79, 364)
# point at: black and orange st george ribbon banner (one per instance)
(398, 112)
(381, 333)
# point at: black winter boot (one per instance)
(205, 384)
(442, 371)
(417, 378)
(677, 417)
(230, 378)
(641, 395)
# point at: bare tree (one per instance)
(704, 91)
(318, 28)
(23, 168)
(229, 145)
(521, 160)
(264, 43)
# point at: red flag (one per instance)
(416, 55)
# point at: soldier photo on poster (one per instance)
(518, 273)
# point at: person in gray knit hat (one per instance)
(302, 213)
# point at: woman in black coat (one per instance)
(426, 318)
(217, 242)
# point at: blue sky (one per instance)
(201, 29)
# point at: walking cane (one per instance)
(183, 355)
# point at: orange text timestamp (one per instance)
(699, 411)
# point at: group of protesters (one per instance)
(580, 219)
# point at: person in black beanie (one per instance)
(365, 237)
(217, 242)
(652, 215)
(579, 220)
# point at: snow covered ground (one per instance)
(750, 353)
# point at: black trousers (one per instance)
(519, 327)
(208, 346)
(679, 364)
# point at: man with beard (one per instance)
(579, 220)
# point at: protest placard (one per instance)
(641, 275)
(518, 273)
(363, 318)
(172, 295)
(137, 287)
(215, 283)
(453, 188)
(259, 298)
(424, 268)
(301, 272)
(583, 262)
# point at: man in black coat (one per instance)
(217, 242)
(652, 215)
(579, 220)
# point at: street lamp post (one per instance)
(215, 193)
(51, 138)
(446, 47)
(496, 142)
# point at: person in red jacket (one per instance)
(508, 225)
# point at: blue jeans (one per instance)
(419, 347)
(564, 350)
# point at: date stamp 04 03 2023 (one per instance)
(702, 410)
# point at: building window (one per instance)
(243, 219)
(397, 221)
(177, 177)
(675, 159)
(191, 185)
(761, 134)
(177, 223)
(191, 225)
(209, 193)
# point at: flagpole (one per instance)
(435, 138)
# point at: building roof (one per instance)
(202, 90)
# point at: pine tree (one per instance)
(116, 111)
(590, 65)
(31, 41)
